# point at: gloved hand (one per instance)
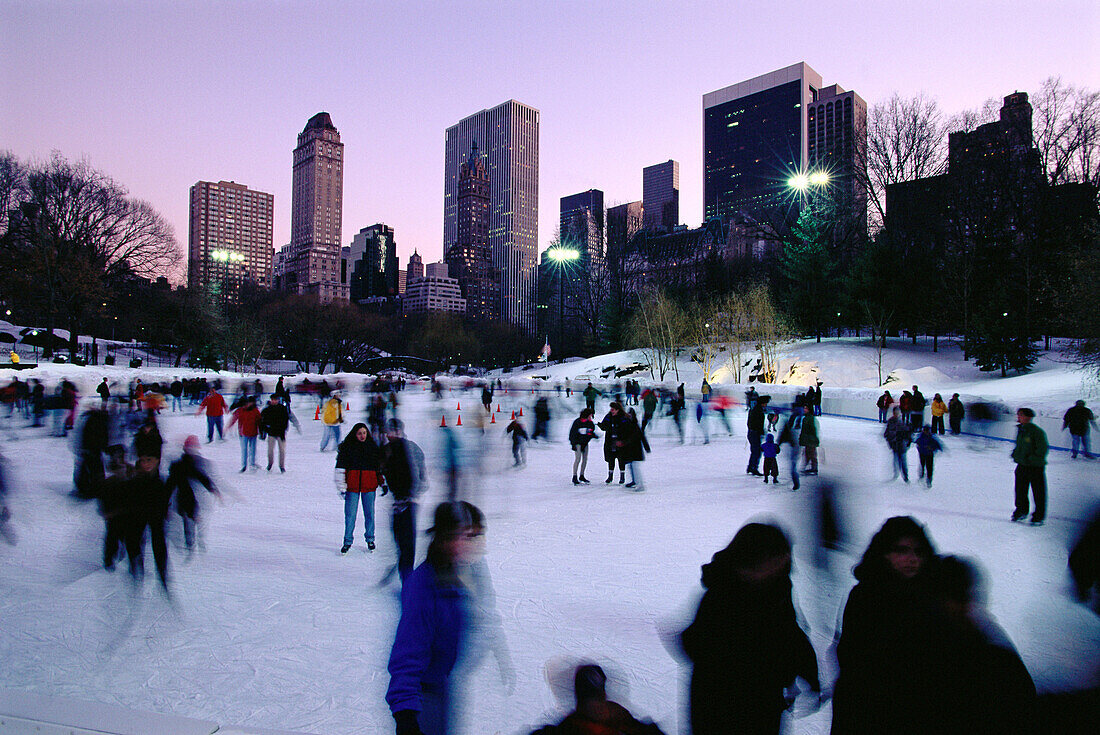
(406, 722)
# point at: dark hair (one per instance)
(753, 544)
(395, 425)
(351, 435)
(958, 580)
(616, 405)
(1026, 412)
(589, 683)
(874, 564)
(585, 412)
(449, 519)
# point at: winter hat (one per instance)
(191, 442)
(754, 543)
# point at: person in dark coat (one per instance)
(182, 474)
(614, 428)
(898, 438)
(891, 648)
(987, 688)
(955, 414)
(745, 643)
(148, 441)
(885, 403)
(93, 443)
(112, 502)
(542, 420)
(916, 409)
(435, 619)
(403, 468)
(927, 446)
(635, 447)
(358, 475)
(809, 440)
(146, 506)
(1030, 456)
(519, 442)
(756, 434)
(275, 419)
(595, 713)
(581, 433)
(1077, 420)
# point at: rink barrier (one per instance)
(23, 713)
(857, 408)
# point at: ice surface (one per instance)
(272, 628)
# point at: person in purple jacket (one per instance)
(435, 620)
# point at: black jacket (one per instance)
(745, 645)
(581, 432)
(181, 474)
(274, 420)
(756, 418)
(403, 466)
(614, 428)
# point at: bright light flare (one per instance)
(819, 178)
(561, 255)
(799, 181)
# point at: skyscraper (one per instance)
(229, 238)
(416, 267)
(661, 195)
(373, 263)
(582, 223)
(755, 139)
(313, 260)
(509, 134)
(623, 222)
(469, 258)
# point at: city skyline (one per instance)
(206, 93)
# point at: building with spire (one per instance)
(469, 258)
(312, 261)
(509, 136)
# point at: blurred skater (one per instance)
(614, 429)
(189, 469)
(745, 644)
(519, 442)
(927, 446)
(435, 617)
(403, 468)
(595, 714)
(770, 451)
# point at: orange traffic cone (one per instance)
(317, 414)
(493, 419)
(443, 423)
(521, 411)
(498, 408)
(513, 415)
(348, 406)
(459, 423)
(459, 407)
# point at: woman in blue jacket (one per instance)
(435, 619)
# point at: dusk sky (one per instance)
(163, 94)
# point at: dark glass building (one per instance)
(754, 141)
(373, 262)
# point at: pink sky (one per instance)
(163, 94)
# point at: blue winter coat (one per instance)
(430, 634)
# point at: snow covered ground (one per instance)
(271, 627)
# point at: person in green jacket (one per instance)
(1030, 456)
(590, 394)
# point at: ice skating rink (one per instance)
(269, 626)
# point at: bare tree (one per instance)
(1067, 131)
(13, 186)
(906, 140)
(987, 112)
(767, 329)
(657, 329)
(78, 236)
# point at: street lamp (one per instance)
(561, 257)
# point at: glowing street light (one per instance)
(803, 181)
(561, 257)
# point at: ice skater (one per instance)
(581, 434)
(927, 446)
(358, 475)
(770, 451)
(519, 442)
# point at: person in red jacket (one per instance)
(358, 475)
(214, 405)
(247, 419)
